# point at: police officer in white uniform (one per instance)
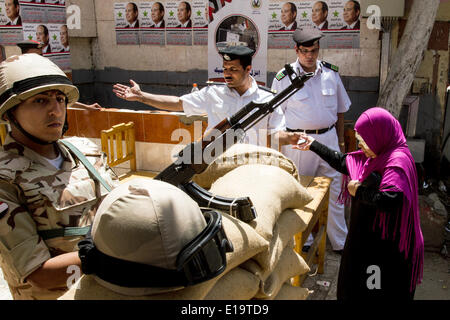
(317, 109)
(221, 101)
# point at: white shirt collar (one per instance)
(14, 22)
(249, 91)
(298, 67)
(132, 24)
(289, 27)
(352, 25)
(184, 25)
(158, 25)
(320, 26)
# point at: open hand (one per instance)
(132, 93)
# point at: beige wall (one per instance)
(362, 62)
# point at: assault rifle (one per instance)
(185, 167)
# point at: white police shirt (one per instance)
(220, 102)
(317, 104)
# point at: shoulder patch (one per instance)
(280, 75)
(330, 66)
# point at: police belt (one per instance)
(311, 131)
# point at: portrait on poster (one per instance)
(339, 20)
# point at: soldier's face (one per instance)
(157, 14)
(287, 17)
(43, 115)
(234, 74)
(183, 14)
(12, 11)
(350, 14)
(308, 56)
(318, 16)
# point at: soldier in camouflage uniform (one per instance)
(47, 196)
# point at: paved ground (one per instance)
(435, 284)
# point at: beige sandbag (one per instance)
(246, 243)
(87, 288)
(290, 265)
(237, 284)
(288, 292)
(242, 154)
(290, 222)
(271, 189)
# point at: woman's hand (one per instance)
(353, 185)
(304, 142)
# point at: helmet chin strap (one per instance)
(16, 124)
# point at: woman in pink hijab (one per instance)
(383, 253)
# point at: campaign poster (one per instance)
(126, 17)
(152, 18)
(339, 20)
(11, 30)
(179, 23)
(200, 21)
(238, 21)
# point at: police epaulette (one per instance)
(280, 75)
(330, 66)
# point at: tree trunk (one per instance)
(408, 56)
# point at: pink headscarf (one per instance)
(384, 136)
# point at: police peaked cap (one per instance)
(307, 36)
(232, 51)
(26, 44)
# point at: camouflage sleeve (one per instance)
(22, 251)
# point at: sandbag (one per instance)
(246, 243)
(237, 284)
(290, 222)
(290, 265)
(87, 288)
(271, 189)
(242, 154)
(288, 292)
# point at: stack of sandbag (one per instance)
(263, 260)
(278, 199)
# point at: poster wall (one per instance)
(176, 22)
(238, 21)
(187, 23)
(337, 19)
(39, 20)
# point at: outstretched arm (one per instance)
(134, 93)
(334, 158)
